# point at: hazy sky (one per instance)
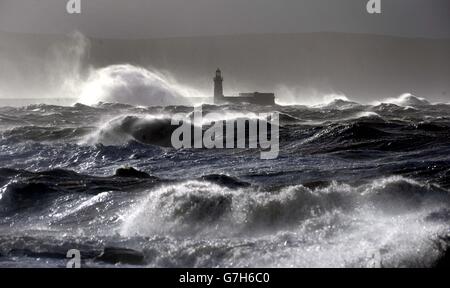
(173, 18)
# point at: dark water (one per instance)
(354, 186)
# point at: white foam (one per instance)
(406, 100)
(134, 85)
(336, 226)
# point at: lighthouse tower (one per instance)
(218, 88)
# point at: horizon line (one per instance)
(388, 35)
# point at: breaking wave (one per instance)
(135, 86)
(195, 207)
(121, 130)
(155, 129)
(406, 100)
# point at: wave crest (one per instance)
(133, 85)
(195, 207)
(154, 130)
(406, 100)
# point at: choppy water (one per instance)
(354, 186)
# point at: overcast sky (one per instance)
(174, 18)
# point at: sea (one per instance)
(354, 185)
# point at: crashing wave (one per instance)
(406, 100)
(135, 86)
(155, 130)
(199, 206)
(224, 221)
(340, 104)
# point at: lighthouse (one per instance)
(243, 98)
(218, 87)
